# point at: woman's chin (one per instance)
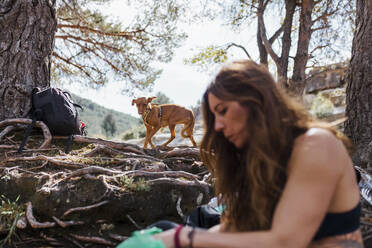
(238, 145)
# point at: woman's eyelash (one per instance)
(222, 111)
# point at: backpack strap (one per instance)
(27, 133)
(35, 116)
(70, 98)
(77, 105)
(68, 143)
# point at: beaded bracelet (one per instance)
(177, 242)
(190, 235)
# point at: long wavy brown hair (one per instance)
(250, 181)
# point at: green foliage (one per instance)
(142, 134)
(128, 136)
(129, 184)
(136, 132)
(161, 98)
(321, 106)
(93, 46)
(9, 212)
(330, 40)
(209, 55)
(94, 114)
(109, 125)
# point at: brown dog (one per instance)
(156, 116)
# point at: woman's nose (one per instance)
(218, 125)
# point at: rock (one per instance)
(326, 77)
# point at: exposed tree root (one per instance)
(114, 145)
(6, 130)
(84, 208)
(91, 175)
(178, 207)
(22, 222)
(117, 237)
(94, 240)
(8, 147)
(53, 160)
(50, 240)
(99, 149)
(40, 124)
(72, 240)
(65, 224)
(177, 174)
(133, 222)
(93, 170)
(178, 182)
(185, 152)
(33, 222)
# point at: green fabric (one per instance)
(143, 239)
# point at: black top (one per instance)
(339, 223)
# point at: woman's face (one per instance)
(230, 119)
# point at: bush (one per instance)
(128, 136)
(142, 134)
(321, 106)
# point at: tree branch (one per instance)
(127, 35)
(239, 46)
(261, 24)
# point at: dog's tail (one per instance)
(189, 126)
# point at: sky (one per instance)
(183, 84)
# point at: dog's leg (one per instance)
(151, 134)
(173, 134)
(190, 135)
(189, 129)
(147, 139)
(192, 140)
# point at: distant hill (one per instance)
(93, 115)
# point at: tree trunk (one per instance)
(280, 62)
(359, 90)
(302, 55)
(27, 31)
(290, 7)
(261, 48)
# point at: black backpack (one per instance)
(56, 109)
(204, 216)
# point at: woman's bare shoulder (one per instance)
(316, 134)
(319, 140)
(319, 147)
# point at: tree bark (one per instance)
(359, 90)
(302, 54)
(282, 61)
(27, 31)
(290, 7)
(261, 48)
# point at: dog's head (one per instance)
(142, 103)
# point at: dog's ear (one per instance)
(150, 99)
(133, 101)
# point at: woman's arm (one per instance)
(315, 169)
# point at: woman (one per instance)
(284, 179)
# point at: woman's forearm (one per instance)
(205, 239)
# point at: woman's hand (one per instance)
(167, 237)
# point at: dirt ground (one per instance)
(97, 194)
(100, 192)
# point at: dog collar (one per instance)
(147, 112)
(145, 115)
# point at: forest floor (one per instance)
(100, 192)
(97, 194)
